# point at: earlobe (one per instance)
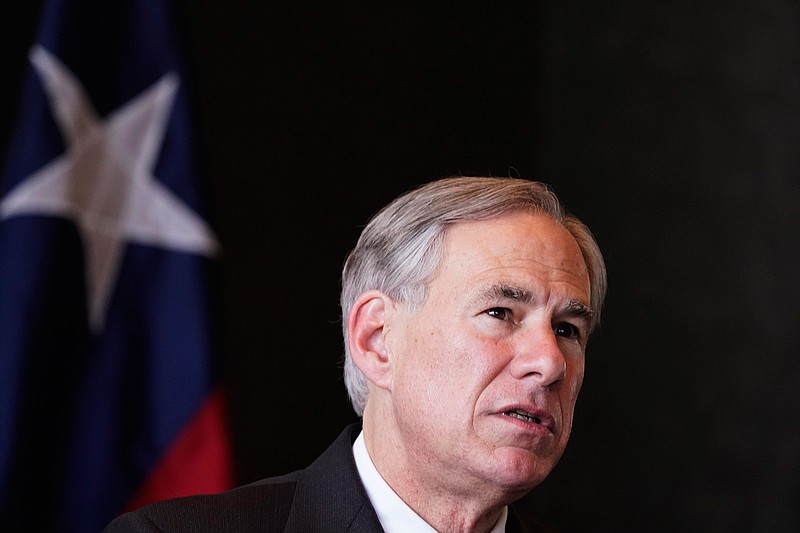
(366, 329)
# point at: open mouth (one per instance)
(524, 416)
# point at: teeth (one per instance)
(525, 417)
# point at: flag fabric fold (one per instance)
(109, 391)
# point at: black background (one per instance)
(671, 128)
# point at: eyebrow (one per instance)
(579, 310)
(505, 291)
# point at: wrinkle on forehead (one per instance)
(518, 245)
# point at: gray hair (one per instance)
(400, 248)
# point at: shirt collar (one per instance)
(393, 513)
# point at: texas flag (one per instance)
(108, 389)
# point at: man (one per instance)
(467, 306)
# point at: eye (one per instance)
(565, 329)
(500, 313)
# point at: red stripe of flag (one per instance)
(199, 462)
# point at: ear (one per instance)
(366, 330)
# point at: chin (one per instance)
(521, 471)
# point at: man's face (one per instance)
(487, 371)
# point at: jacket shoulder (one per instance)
(260, 506)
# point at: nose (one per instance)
(539, 356)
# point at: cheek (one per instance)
(486, 374)
(576, 380)
(422, 363)
(573, 383)
(447, 366)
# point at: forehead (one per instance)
(517, 246)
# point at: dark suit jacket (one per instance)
(325, 497)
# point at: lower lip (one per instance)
(524, 424)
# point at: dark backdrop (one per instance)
(671, 128)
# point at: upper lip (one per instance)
(540, 416)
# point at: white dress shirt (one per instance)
(393, 513)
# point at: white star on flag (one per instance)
(104, 181)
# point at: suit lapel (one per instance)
(329, 496)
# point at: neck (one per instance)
(414, 479)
